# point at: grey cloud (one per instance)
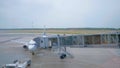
(59, 13)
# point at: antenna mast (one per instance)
(44, 30)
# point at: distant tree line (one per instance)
(62, 29)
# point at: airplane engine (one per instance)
(25, 46)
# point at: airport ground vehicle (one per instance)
(18, 64)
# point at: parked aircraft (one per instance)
(44, 42)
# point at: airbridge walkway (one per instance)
(90, 40)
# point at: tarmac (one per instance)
(82, 57)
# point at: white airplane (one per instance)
(43, 42)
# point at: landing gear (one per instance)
(63, 56)
(33, 53)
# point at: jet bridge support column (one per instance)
(83, 41)
(58, 40)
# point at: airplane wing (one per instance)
(19, 42)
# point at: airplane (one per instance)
(43, 42)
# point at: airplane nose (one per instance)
(32, 47)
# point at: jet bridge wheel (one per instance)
(63, 56)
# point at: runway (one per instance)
(83, 57)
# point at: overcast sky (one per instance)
(59, 13)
